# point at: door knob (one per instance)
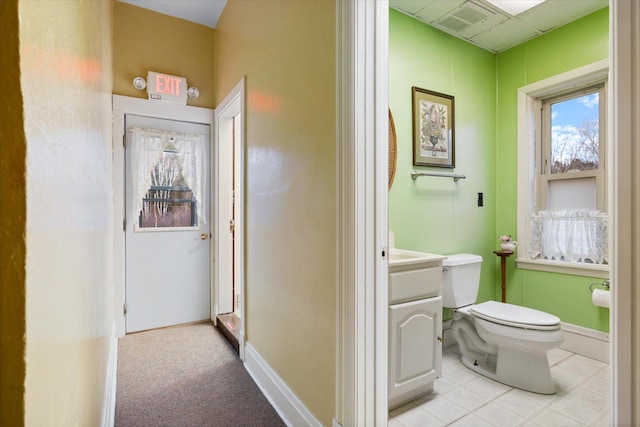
(203, 236)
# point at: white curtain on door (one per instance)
(573, 235)
(149, 146)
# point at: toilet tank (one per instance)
(461, 280)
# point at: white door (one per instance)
(167, 226)
(226, 219)
(229, 296)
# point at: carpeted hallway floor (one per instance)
(186, 376)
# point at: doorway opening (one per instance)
(229, 243)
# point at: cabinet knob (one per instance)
(440, 339)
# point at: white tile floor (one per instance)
(464, 398)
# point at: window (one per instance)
(168, 173)
(562, 219)
(571, 148)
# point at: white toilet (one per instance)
(504, 342)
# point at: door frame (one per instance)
(362, 126)
(231, 106)
(359, 387)
(624, 192)
(123, 105)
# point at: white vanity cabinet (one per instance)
(415, 326)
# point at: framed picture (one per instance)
(433, 129)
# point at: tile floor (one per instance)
(464, 398)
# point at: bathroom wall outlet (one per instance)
(480, 199)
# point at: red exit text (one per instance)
(168, 85)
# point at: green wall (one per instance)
(440, 216)
(435, 214)
(580, 43)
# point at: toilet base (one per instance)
(485, 369)
(527, 370)
(515, 374)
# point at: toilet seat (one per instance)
(515, 316)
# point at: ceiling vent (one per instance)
(454, 24)
(464, 16)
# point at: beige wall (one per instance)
(286, 50)
(12, 223)
(65, 52)
(144, 41)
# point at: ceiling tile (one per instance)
(409, 6)
(555, 13)
(503, 36)
(435, 10)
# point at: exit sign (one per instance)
(163, 87)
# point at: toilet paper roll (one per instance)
(601, 298)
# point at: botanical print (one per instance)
(434, 141)
(433, 129)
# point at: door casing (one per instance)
(233, 105)
(123, 105)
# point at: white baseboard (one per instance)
(109, 409)
(577, 339)
(287, 405)
(586, 342)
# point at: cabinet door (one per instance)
(415, 357)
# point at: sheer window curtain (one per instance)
(577, 235)
(149, 147)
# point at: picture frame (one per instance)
(433, 128)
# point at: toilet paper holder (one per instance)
(606, 285)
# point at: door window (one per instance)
(168, 179)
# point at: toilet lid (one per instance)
(515, 315)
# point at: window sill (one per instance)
(588, 270)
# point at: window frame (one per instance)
(529, 182)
